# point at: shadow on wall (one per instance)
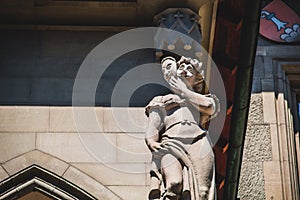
(39, 68)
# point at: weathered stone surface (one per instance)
(52, 66)
(252, 186)
(73, 43)
(3, 174)
(76, 119)
(256, 85)
(132, 148)
(258, 70)
(269, 107)
(89, 184)
(83, 147)
(273, 182)
(20, 43)
(24, 119)
(115, 174)
(130, 192)
(66, 146)
(62, 120)
(124, 120)
(36, 157)
(56, 91)
(257, 145)
(14, 90)
(267, 84)
(16, 68)
(14, 144)
(255, 115)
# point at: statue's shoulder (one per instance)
(163, 103)
(155, 103)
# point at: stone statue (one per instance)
(182, 157)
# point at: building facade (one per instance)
(48, 151)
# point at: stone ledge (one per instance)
(24, 119)
(76, 119)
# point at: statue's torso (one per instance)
(179, 118)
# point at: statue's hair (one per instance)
(200, 84)
(167, 58)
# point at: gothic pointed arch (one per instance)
(31, 176)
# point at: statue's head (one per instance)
(169, 67)
(191, 71)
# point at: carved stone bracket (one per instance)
(184, 21)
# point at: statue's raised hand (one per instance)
(178, 85)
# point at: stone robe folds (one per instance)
(195, 155)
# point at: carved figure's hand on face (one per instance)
(178, 85)
(169, 67)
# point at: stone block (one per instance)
(56, 66)
(24, 119)
(115, 174)
(89, 184)
(267, 84)
(16, 68)
(273, 182)
(15, 144)
(124, 120)
(281, 108)
(76, 119)
(274, 142)
(3, 174)
(20, 43)
(130, 192)
(273, 190)
(83, 147)
(132, 148)
(38, 158)
(258, 70)
(284, 142)
(251, 184)
(57, 43)
(257, 145)
(256, 85)
(53, 91)
(261, 51)
(272, 171)
(269, 107)
(256, 109)
(14, 90)
(268, 67)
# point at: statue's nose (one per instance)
(183, 73)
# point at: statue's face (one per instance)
(169, 68)
(187, 73)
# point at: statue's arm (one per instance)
(152, 131)
(204, 103)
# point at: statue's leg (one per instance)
(203, 160)
(172, 175)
